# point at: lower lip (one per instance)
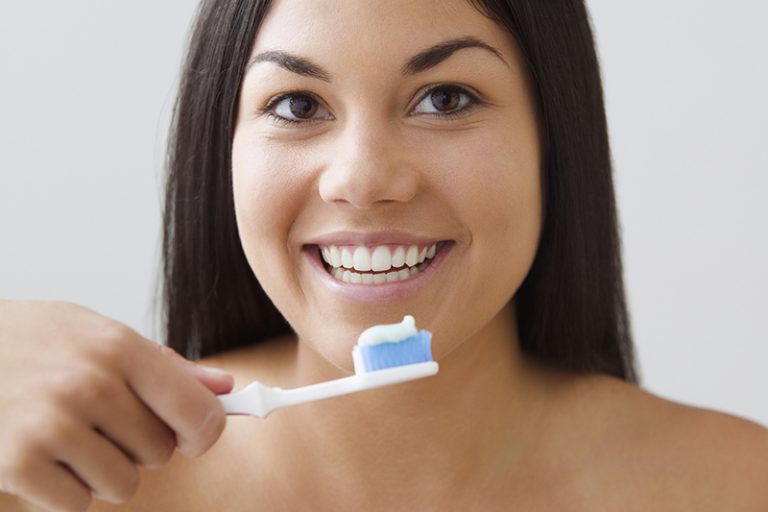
(397, 290)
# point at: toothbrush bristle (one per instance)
(412, 350)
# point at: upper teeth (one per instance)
(379, 258)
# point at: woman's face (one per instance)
(378, 135)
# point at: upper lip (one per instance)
(373, 238)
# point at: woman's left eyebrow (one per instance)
(420, 62)
(436, 54)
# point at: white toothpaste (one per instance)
(388, 332)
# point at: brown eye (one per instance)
(297, 107)
(446, 101)
(302, 106)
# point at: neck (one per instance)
(429, 437)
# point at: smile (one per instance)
(378, 264)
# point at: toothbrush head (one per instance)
(392, 345)
(412, 350)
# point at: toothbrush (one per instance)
(384, 355)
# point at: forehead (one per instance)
(361, 30)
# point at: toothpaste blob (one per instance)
(388, 332)
(391, 345)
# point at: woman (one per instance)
(473, 131)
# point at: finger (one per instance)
(100, 465)
(52, 486)
(136, 429)
(190, 409)
(214, 379)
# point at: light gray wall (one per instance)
(85, 94)
(86, 91)
(685, 85)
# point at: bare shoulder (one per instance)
(148, 498)
(727, 454)
(672, 456)
(175, 486)
(264, 360)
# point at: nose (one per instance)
(366, 167)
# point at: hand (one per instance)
(86, 400)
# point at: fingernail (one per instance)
(215, 371)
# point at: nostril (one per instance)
(366, 183)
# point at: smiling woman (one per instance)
(281, 105)
(343, 163)
(432, 144)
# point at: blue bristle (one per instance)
(415, 349)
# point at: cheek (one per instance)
(494, 182)
(267, 193)
(494, 178)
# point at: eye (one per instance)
(295, 108)
(446, 101)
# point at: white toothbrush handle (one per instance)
(255, 399)
(259, 400)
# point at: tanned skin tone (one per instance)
(383, 122)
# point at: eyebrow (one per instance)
(294, 63)
(420, 62)
(436, 54)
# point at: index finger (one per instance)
(190, 409)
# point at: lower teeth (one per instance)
(350, 276)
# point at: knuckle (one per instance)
(34, 435)
(82, 385)
(20, 467)
(28, 451)
(7, 485)
(16, 469)
(97, 391)
(114, 339)
(107, 338)
(166, 350)
(59, 430)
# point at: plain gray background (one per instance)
(86, 93)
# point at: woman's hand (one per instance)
(85, 400)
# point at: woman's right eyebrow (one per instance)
(294, 63)
(422, 61)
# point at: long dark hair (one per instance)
(571, 306)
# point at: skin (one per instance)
(494, 427)
(378, 166)
(86, 401)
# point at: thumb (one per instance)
(216, 380)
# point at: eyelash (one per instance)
(473, 101)
(273, 102)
